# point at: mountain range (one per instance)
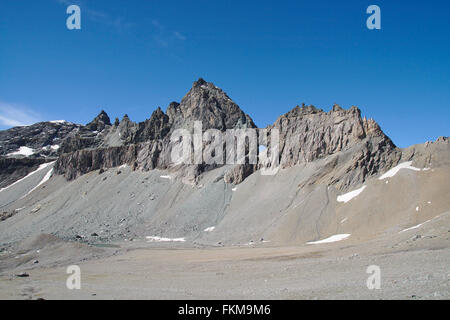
(340, 179)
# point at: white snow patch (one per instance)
(350, 195)
(166, 177)
(234, 189)
(209, 229)
(343, 220)
(58, 121)
(44, 180)
(162, 239)
(387, 181)
(41, 167)
(429, 202)
(23, 151)
(123, 166)
(336, 237)
(53, 147)
(414, 227)
(396, 169)
(417, 208)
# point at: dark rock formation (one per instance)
(13, 169)
(44, 138)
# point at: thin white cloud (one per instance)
(163, 36)
(157, 24)
(179, 36)
(13, 115)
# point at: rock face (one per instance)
(308, 134)
(353, 148)
(77, 163)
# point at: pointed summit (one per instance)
(156, 127)
(207, 103)
(199, 82)
(99, 122)
(337, 107)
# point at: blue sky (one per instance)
(133, 56)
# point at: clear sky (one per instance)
(133, 56)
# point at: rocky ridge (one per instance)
(356, 148)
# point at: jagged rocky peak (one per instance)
(207, 103)
(371, 127)
(125, 118)
(100, 122)
(156, 127)
(301, 111)
(127, 129)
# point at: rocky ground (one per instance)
(413, 264)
